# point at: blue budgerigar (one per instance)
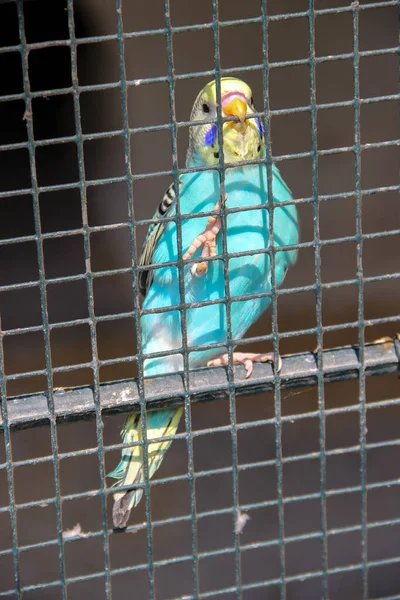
(246, 231)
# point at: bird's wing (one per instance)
(165, 209)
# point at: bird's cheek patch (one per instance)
(211, 135)
(260, 127)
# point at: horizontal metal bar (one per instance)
(133, 358)
(169, 173)
(164, 127)
(207, 73)
(280, 292)
(125, 225)
(355, 489)
(300, 577)
(219, 471)
(206, 384)
(184, 518)
(96, 39)
(185, 124)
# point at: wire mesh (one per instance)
(31, 396)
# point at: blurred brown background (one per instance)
(148, 105)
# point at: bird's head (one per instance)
(243, 136)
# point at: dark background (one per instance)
(148, 105)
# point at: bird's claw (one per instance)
(207, 239)
(247, 359)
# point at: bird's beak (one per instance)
(237, 108)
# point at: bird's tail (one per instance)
(159, 424)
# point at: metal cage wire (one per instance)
(312, 368)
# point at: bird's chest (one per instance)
(245, 224)
(241, 241)
(241, 259)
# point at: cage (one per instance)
(95, 98)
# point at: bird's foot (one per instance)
(207, 239)
(247, 359)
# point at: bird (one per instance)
(242, 134)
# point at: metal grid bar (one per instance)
(70, 186)
(209, 73)
(318, 303)
(176, 172)
(43, 296)
(100, 228)
(228, 306)
(90, 295)
(256, 585)
(274, 306)
(360, 308)
(182, 124)
(266, 544)
(316, 368)
(208, 473)
(223, 511)
(10, 472)
(135, 290)
(134, 358)
(122, 271)
(200, 26)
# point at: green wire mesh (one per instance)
(41, 402)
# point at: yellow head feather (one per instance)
(243, 137)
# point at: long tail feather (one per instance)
(130, 471)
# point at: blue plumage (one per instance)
(211, 135)
(246, 231)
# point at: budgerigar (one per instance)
(200, 192)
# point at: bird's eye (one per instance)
(252, 101)
(206, 108)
